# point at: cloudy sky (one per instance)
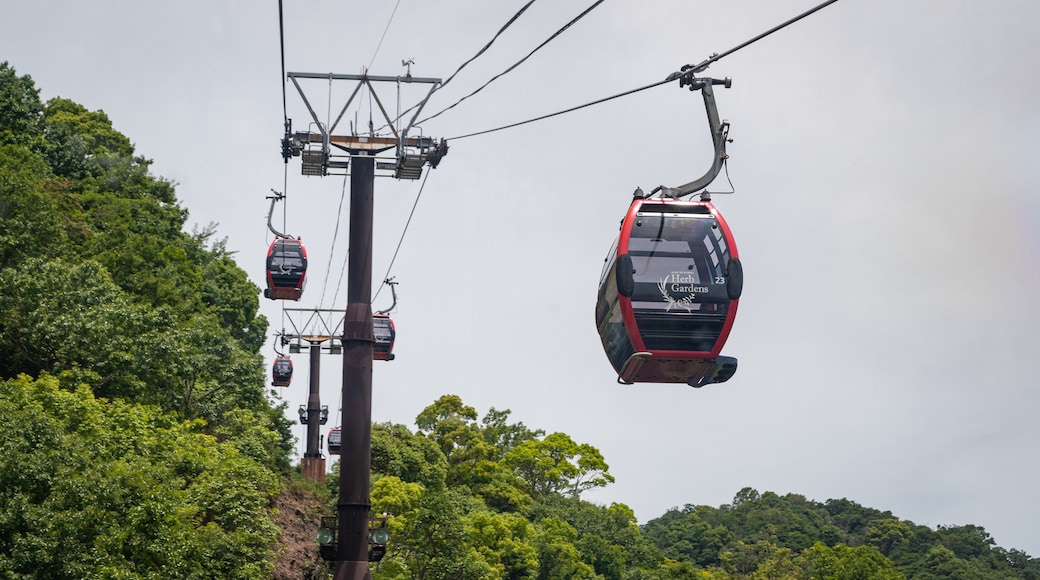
(884, 160)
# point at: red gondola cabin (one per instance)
(286, 269)
(335, 440)
(668, 294)
(281, 371)
(385, 333)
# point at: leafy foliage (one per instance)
(764, 536)
(94, 488)
(138, 440)
(21, 114)
(102, 285)
(556, 464)
(472, 497)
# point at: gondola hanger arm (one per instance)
(390, 282)
(270, 213)
(719, 130)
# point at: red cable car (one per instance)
(281, 371)
(384, 331)
(286, 269)
(668, 294)
(335, 440)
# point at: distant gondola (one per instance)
(385, 333)
(668, 294)
(281, 371)
(335, 440)
(286, 269)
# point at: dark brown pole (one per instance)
(314, 404)
(356, 453)
(313, 464)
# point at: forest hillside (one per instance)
(138, 438)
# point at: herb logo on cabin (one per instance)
(680, 284)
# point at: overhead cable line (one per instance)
(281, 38)
(519, 62)
(332, 250)
(716, 57)
(686, 70)
(401, 240)
(339, 283)
(570, 110)
(381, 38)
(474, 57)
(285, 119)
(488, 45)
(285, 106)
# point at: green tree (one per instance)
(743, 559)
(227, 290)
(398, 452)
(504, 542)
(30, 223)
(781, 564)
(847, 563)
(432, 544)
(966, 542)
(503, 436)
(693, 534)
(853, 518)
(558, 557)
(888, 535)
(101, 139)
(680, 570)
(95, 488)
(746, 494)
(609, 539)
(556, 464)
(74, 321)
(56, 317)
(453, 426)
(392, 496)
(255, 435)
(100, 286)
(21, 113)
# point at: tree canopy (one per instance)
(94, 488)
(137, 436)
(472, 497)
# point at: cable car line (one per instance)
(381, 38)
(488, 45)
(287, 144)
(332, 249)
(716, 57)
(281, 38)
(287, 125)
(519, 62)
(474, 57)
(339, 283)
(686, 71)
(400, 241)
(570, 110)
